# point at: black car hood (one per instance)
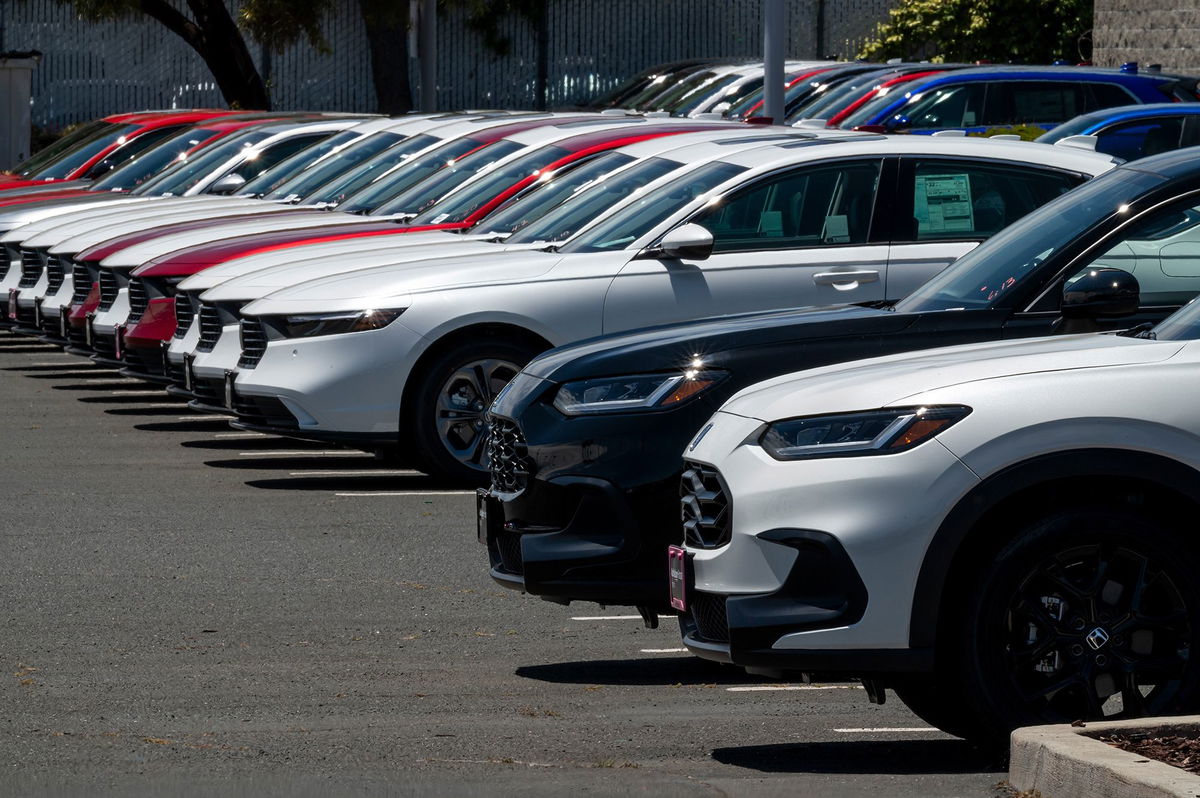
(714, 341)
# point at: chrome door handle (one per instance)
(833, 278)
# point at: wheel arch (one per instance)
(1103, 476)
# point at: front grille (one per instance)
(210, 327)
(138, 300)
(263, 411)
(508, 456)
(508, 546)
(708, 612)
(33, 263)
(9, 255)
(209, 392)
(109, 288)
(83, 276)
(185, 313)
(148, 361)
(705, 507)
(173, 371)
(56, 273)
(254, 343)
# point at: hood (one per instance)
(719, 341)
(163, 224)
(394, 285)
(880, 382)
(82, 220)
(303, 253)
(267, 217)
(29, 213)
(259, 283)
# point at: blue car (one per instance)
(975, 100)
(1134, 131)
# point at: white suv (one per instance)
(1001, 532)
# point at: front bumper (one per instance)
(593, 518)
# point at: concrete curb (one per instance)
(1068, 762)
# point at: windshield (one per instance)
(1182, 325)
(632, 221)
(73, 160)
(290, 167)
(667, 99)
(813, 99)
(151, 163)
(35, 163)
(987, 273)
(425, 195)
(1073, 128)
(344, 185)
(880, 103)
(693, 101)
(329, 169)
(550, 191)
(408, 174)
(460, 205)
(192, 170)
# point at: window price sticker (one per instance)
(942, 204)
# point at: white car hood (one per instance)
(394, 285)
(17, 219)
(93, 216)
(879, 382)
(130, 225)
(306, 253)
(265, 281)
(291, 219)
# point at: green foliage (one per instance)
(1028, 31)
(278, 23)
(484, 17)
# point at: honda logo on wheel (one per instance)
(1097, 638)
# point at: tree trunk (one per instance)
(387, 38)
(216, 38)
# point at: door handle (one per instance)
(846, 280)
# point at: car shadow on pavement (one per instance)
(357, 482)
(647, 671)
(896, 757)
(50, 371)
(281, 462)
(200, 424)
(154, 410)
(125, 398)
(23, 348)
(253, 444)
(97, 385)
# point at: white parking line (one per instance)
(242, 435)
(305, 453)
(663, 650)
(883, 730)
(414, 493)
(608, 618)
(138, 393)
(149, 405)
(762, 688)
(381, 472)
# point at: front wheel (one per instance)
(450, 403)
(1085, 615)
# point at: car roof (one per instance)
(1095, 119)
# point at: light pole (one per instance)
(774, 38)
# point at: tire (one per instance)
(450, 400)
(1087, 614)
(935, 700)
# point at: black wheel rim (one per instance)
(1098, 632)
(463, 402)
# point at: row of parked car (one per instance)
(610, 319)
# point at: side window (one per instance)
(1141, 137)
(1106, 95)
(947, 107)
(1045, 101)
(1162, 251)
(960, 199)
(814, 207)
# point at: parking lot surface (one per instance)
(193, 610)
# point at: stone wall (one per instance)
(1163, 32)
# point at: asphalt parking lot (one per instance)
(188, 609)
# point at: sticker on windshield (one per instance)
(942, 204)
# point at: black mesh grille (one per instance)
(185, 313)
(708, 612)
(263, 411)
(9, 255)
(148, 362)
(83, 277)
(704, 506)
(508, 456)
(33, 263)
(56, 273)
(254, 343)
(173, 371)
(109, 288)
(209, 392)
(210, 327)
(508, 546)
(139, 300)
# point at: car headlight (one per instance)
(313, 324)
(634, 392)
(851, 434)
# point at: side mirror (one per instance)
(227, 184)
(689, 241)
(1101, 292)
(897, 122)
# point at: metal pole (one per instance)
(774, 30)
(428, 47)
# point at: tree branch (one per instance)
(174, 21)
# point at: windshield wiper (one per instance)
(1143, 330)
